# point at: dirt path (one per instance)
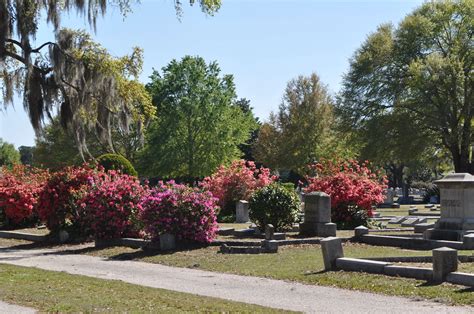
(261, 291)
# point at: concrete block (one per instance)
(422, 227)
(354, 264)
(318, 229)
(225, 231)
(269, 232)
(409, 272)
(242, 233)
(242, 212)
(468, 241)
(397, 220)
(461, 279)
(63, 236)
(410, 222)
(270, 246)
(279, 236)
(167, 241)
(445, 261)
(332, 250)
(360, 231)
(317, 207)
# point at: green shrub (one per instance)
(276, 205)
(117, 162)
(289, 186)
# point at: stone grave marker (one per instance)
(457, 207)
(317, 215)
(269, 232)
(397, 220)
(410, 222)
(242, 212)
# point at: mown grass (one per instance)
(304, 264)
(49, 291)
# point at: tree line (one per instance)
(406, 102)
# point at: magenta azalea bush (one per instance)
(188, 213)
(112, 206)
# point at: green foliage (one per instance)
(56, 148)
(8, 154)
(198, 126)
(288, 185)
(117, 162)
(422, 70)
(301, 132)
(26, 154)
(72, 75)
(276, 205)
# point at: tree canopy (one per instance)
(301, 132)
(199, 124)
(72, 75)
(8, 154)
(423, 69)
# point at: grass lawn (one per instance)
(50, 291)
(402, 211)
(304, 264)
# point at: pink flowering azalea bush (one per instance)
(19, 190)
(236, 182)
(354, 188)
(188, 213)
(58, 204)
(111, 206)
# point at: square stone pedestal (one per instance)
(457, 208)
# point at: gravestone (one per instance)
(167, 241)
(242, 212)
(389, 195)
(317, 215)
(457, 207)
(269, 232)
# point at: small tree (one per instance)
(276, 205)
(236, 182)
(354, 188)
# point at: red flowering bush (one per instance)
(19, 189)
(188, 213)
(112, 206)
(59, 200)
(354, 188)
(236, 182)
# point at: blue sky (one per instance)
(263, 43)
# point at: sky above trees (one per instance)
(263, 43)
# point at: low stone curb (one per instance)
(24, 236)
(408, 272)
(362, 265)
(418, 259)
(409, 243)
(458, 278)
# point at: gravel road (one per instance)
(267, 292)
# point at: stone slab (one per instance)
(242, 233)
(332, 250)
(225, 231)
(397, 220)
(422, 227)
(409, 272)
(463, 279)
(23, 236)
(363, 265)
(410, 222)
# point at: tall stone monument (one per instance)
(457, 208)
(317, 216)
